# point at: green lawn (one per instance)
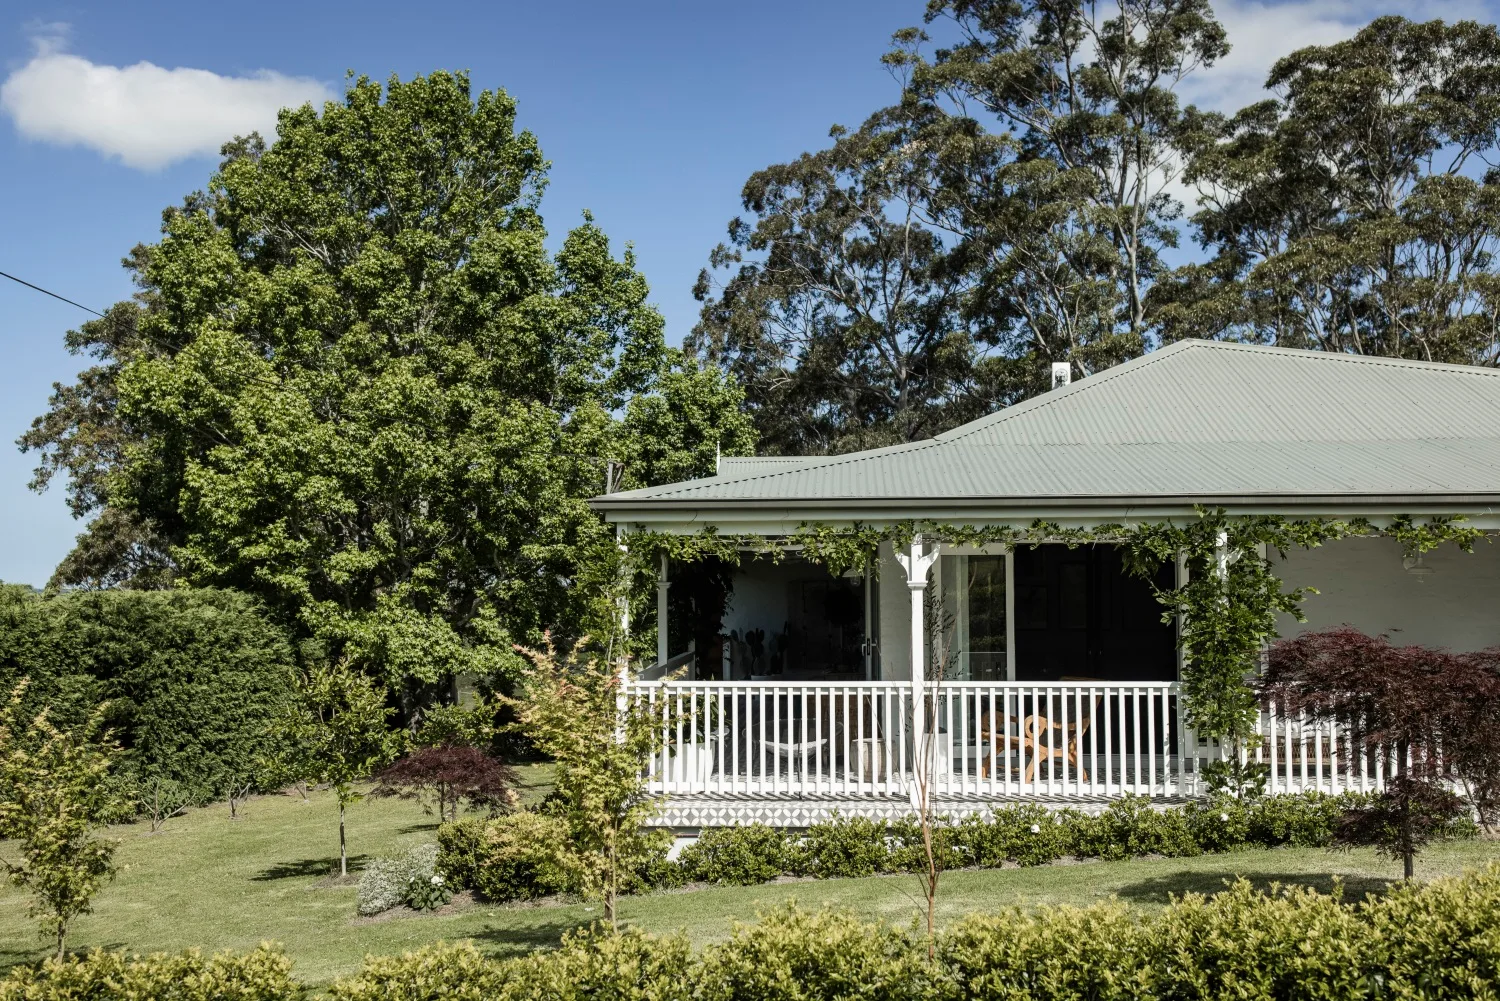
(211, 882)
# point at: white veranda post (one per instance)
(662, 584)
(917, 565)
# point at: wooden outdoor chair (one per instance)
(995, 732)
(1041, 738)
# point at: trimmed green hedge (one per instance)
(193, 676)
(264, 974)
(486, 856)
(1435, 942)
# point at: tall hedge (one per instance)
(193, 677)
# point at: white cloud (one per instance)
(1261, 32)
(146, 115)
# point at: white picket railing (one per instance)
(1055, 739)
(1000, 740)
(1303, 755)
(850, 738)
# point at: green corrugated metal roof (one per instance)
(1196, 420)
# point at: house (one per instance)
(1061, 681)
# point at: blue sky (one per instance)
(652, 113)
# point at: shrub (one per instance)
(597, 965)
(263, 974)
(1290, 943)
(1131, 827)
(1027, 834)
(460, 851)
(909, 854)
(382, 886)
(525, 855)
(843, 847)
(1218, 824)
(653, 870)
(411, 879)
(589, 965)
(438, 972)
(829, 954)
(1439, 940)
(1307, 820)
(736, 856)
(1094, 952)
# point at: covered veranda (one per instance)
(1044, 671)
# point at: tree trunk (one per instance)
(343, 853)
(1408, 856)
(609, 887)
(62, 937)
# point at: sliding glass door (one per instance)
(973, 622)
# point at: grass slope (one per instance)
(219, 884)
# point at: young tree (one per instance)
(1358, 208)
(451, 774)
(337, 733)
(55, 791)
(940, 667)
(573, 708)
(1430, 715)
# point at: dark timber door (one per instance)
(1080, 615)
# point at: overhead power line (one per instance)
(54, 295)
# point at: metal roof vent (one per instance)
(1062, 374)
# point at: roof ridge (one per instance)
(1068, 392)
(1339, 356)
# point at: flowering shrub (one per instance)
(411, 879)
(427, 894)
(844, 847)
(1219, 824)
(1027, 834)
(1131, 827)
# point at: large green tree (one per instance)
(1358, 209)
(356, 383)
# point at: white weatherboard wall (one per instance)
(1362, 584)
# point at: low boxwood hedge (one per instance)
(1434, 942)
(523, 856)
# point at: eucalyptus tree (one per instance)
(833, 303)
(1358, 209)
(355, 382)
(1009, 210)
(1060, 188)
